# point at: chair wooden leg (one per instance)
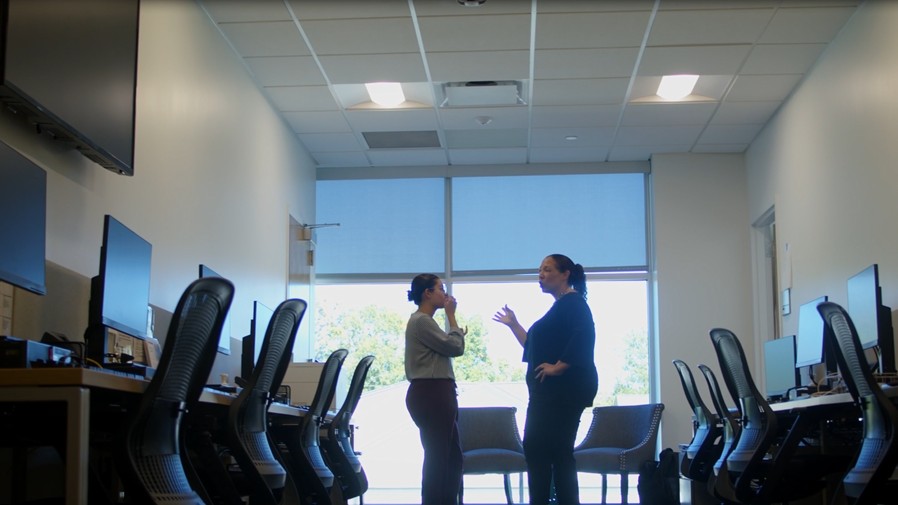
(508, 499)
(624, 482)
(604, 488)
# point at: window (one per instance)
(485, 236)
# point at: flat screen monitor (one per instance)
(70, 68)
(224, 340)
(252, 343)
(809, 347)
(872, 320)
(779, 367)
(120, 294)
(23, 221)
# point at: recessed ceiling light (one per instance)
(388, 94)
(676, 87)
(571, 137)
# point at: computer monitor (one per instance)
(809, 346)
(120, 293)
(252, 343)
(871, 318)
(23, 221)
(224, 340)
(779, 367)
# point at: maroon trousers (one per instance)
(433, 405)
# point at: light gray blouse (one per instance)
(429, 350)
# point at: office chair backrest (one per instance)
(344, 461)
(153, 471)
(704, 448)
(878, 453)
(248, 415)
(731, 426)
(759, 422)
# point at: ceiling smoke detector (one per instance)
(471, 3)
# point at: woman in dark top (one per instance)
(561, 379)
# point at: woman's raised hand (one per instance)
(505, 316)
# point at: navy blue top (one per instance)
(566, 333)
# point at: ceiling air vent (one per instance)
(482, 94)
(401, 140)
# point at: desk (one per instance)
(824, 400)
(74, 386)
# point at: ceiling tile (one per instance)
(260, 10)
(667, 114)
(563, 6)
(317, 122)
(444, 8)
(806, 24)
(499, 117)
(479, 66)
(590, 30)
(386, 120)
(272, 38)
(475, 33)
(584, 63)
(297, 98)
(580, 91)
(356, 69)
(328, 142)
(782, 58)
(569, 116)
(744, 112)
(487, 156)
(285, 70)
(362, 36)
(730, 134)
(467, 139)
(724, 26)
(701, 60)
(585, 137)
(762, 87)
(657, 135)
(329, 9)
(567, 154)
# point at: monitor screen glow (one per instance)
(125, 260)
(779, 366)
(864, 300)
(23, 221)
(809, 348)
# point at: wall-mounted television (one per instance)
(872, 319)
(780, 373)
(120, 293)
(70, 69)
(224, 340)
(23, 221)
(252, 343)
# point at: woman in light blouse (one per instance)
(432, 400)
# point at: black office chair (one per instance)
(764, 465)
(868, 480)
(490, 444)
(261, 476)
(309, 471)
(732, 428)
(151, 467)
(619, 440)
(341, 456)
(706, 444)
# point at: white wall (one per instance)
(828, 163)
(702, 270)
(217, 174)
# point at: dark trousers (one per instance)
(433, 405)
(549, 435)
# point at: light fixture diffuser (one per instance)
(387, 94)
(676, 87)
